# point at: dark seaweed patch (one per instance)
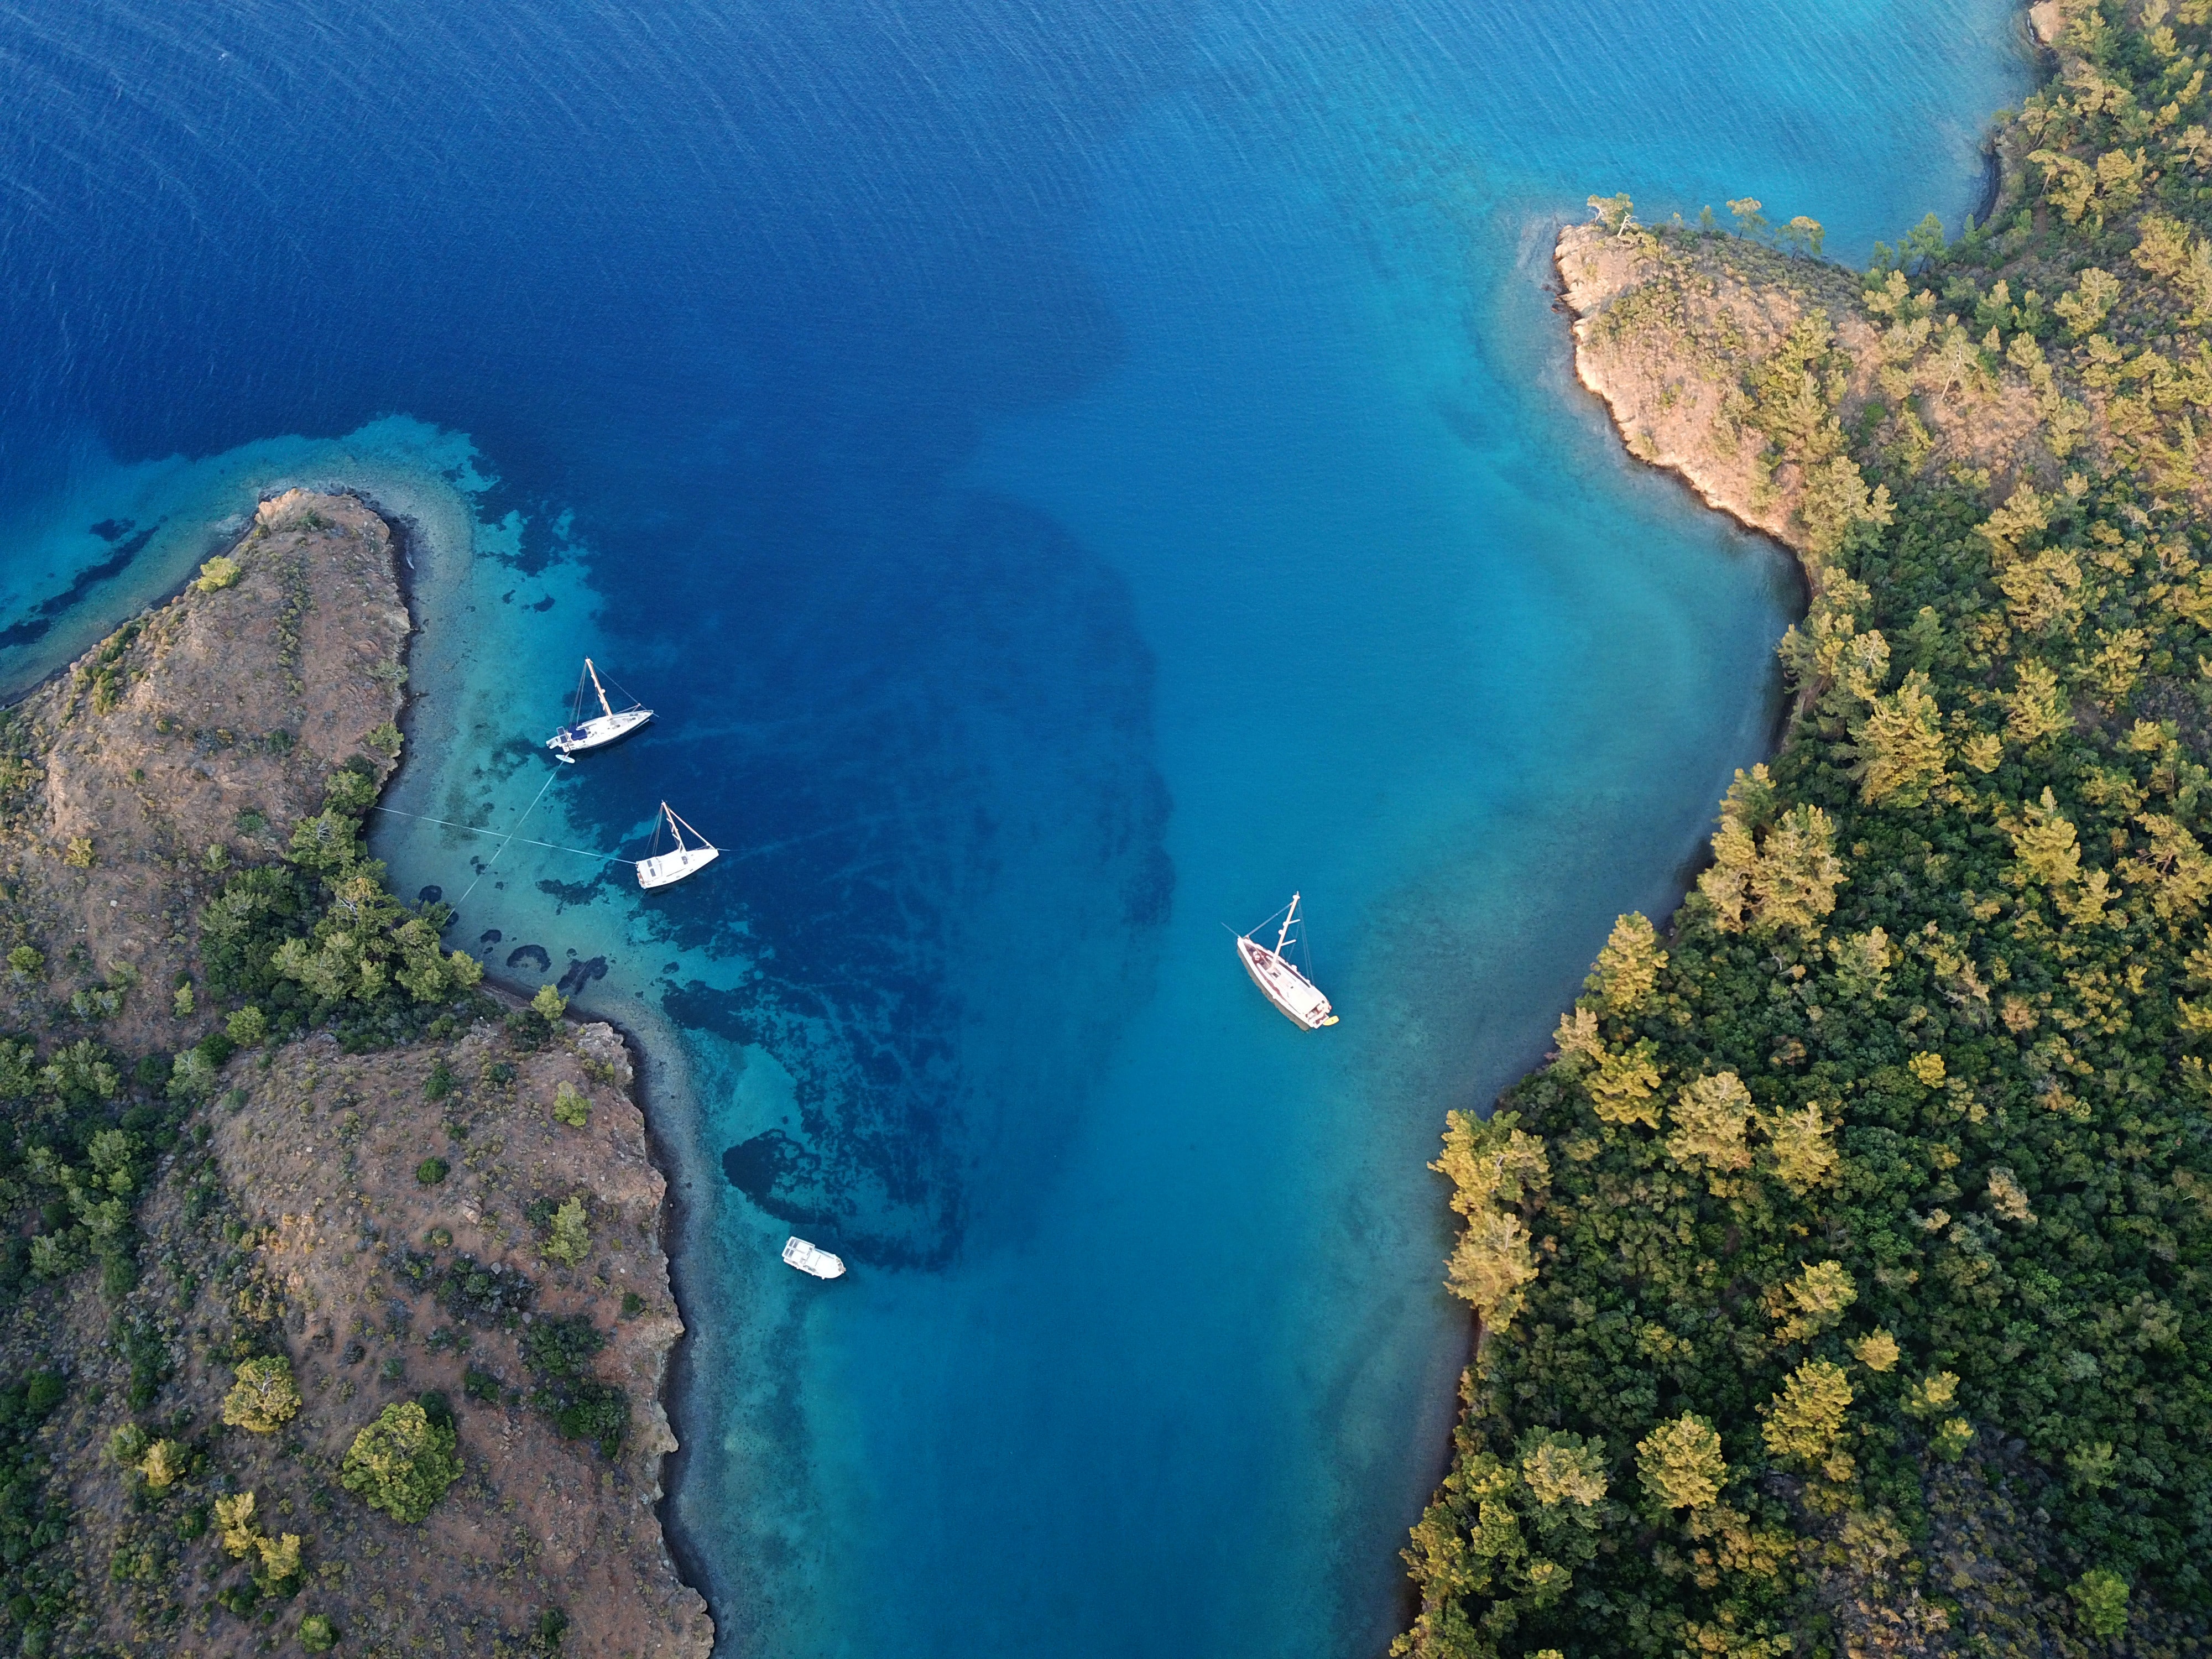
(566, 893)
(582, 974)
(48, 611)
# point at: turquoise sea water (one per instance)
(1066, 476)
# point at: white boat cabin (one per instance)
(813, 1259)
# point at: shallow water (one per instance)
(1066, 477)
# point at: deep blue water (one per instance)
(1066, 474)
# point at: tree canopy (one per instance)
(1839, 1283)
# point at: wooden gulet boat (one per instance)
(1291, 991)
(660, 869)
(602, 729)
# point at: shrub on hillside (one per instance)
(402, 1463)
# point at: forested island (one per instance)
(1841, 1280)
(333, 1310)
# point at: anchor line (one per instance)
(524, 840)
(493, 861)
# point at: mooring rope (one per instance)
(507, 839)
(494, 860)
(474, 830)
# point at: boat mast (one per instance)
(1288, 919)
(602, 690)
(674, 826)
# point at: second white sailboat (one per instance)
(660, 869)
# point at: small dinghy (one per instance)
(813, 1259)
(603, 728)
(661, 869)
(1283, 984)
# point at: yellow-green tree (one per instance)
(264, 1398)
(1814, 1302)
(1707, 1129)
(568, 1239)
(1801, 1147)
(1680, 1463)
(1804, 1421)
(1627, 970)
(1898, 747)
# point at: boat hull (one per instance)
(1295, 996)
(669, 868)
(597, 731)
(813, 1259)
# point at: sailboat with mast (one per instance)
(1291, 991)
(686, 859)
(603, 728)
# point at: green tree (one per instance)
(2102, 1596)
(568, 1239)
(402, 1463)
(1612, 212)
(570, 1106)
(1925, 242)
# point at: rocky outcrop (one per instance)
(1694, 341)
(189, 741)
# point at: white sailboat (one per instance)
(813, 1259)
(603, 728)
(1283, 984)
(667, 869)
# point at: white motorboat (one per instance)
(813, 1259)
(1302, 1003)
(603, 728)
(661, 869)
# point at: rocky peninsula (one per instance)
(333, 1312)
